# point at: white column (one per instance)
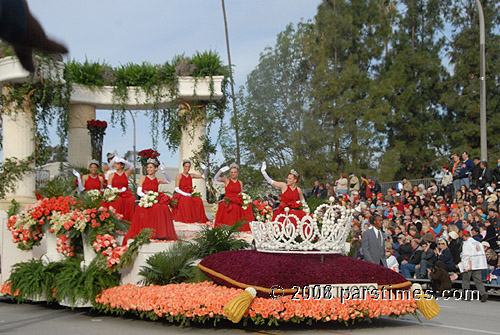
(191, 143)
(18, 142)
(79, 147)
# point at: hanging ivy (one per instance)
(49, 95)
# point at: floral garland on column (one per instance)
(97, 130)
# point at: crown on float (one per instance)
(324, 232)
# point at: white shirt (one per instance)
(473, 251)
(392, 263)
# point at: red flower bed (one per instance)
(287, 270)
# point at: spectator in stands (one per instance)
(412, 265)
(496, 171)
(331, 191)
(466, 170)
(405, 250)
(456, 172)
(455, 220)
(476, 172)
(363, 187)
(454, 246)
(342, 184)
(391, 260)
(428, 258)
(406, 185)
(485, 176)
(466, 226)
(440, 279)
(315, 191)
(447, 181)
(323, 193)
(480, 200)
(353, 183)
(491, 255)
(444, 255)
(491, 234)
(433, 189)
(476, 235)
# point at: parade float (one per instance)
(68, 249)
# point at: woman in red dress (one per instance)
(291, 194)
(230, 209)
(158, 216)
(189, 209)
(92, 181)
(125, 202)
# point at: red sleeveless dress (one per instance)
(157, 217)
(125, 203)
(92, 183)
(289, 199)
(188, 209)
(230, 213)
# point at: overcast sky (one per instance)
(125, 31)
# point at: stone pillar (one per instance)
(79, 147)
(191, 143)
(18, 142)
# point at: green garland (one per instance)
(12, 170)
(49, 97)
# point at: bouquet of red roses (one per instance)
(97, 130)
(146, 154)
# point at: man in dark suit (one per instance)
(373, 243)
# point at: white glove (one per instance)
(113, 161)
(217, 175)
(163, 169)
(79, 179)
(127, 163)
(123, 189)
(264, 173)
(139, 192)
(205, 170)
(178, 190)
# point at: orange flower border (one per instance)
(201, 302)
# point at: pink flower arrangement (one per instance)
(27, 226)
(64, 246)
(106, 245)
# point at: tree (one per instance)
(462, 96)
(413, 77)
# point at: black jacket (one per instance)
(447, 258)
(454, 247)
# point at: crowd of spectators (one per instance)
(425, 228)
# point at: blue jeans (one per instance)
(464, 181)
(407, 269)
(456, 186)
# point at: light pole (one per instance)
(482, 82)
(235, 113)
(135, 151)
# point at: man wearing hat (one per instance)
(474, 258)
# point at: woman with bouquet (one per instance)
(153, 211)
(92, 181)
(189, 208)
(231, 210)
(125, 201)
(291, 194)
